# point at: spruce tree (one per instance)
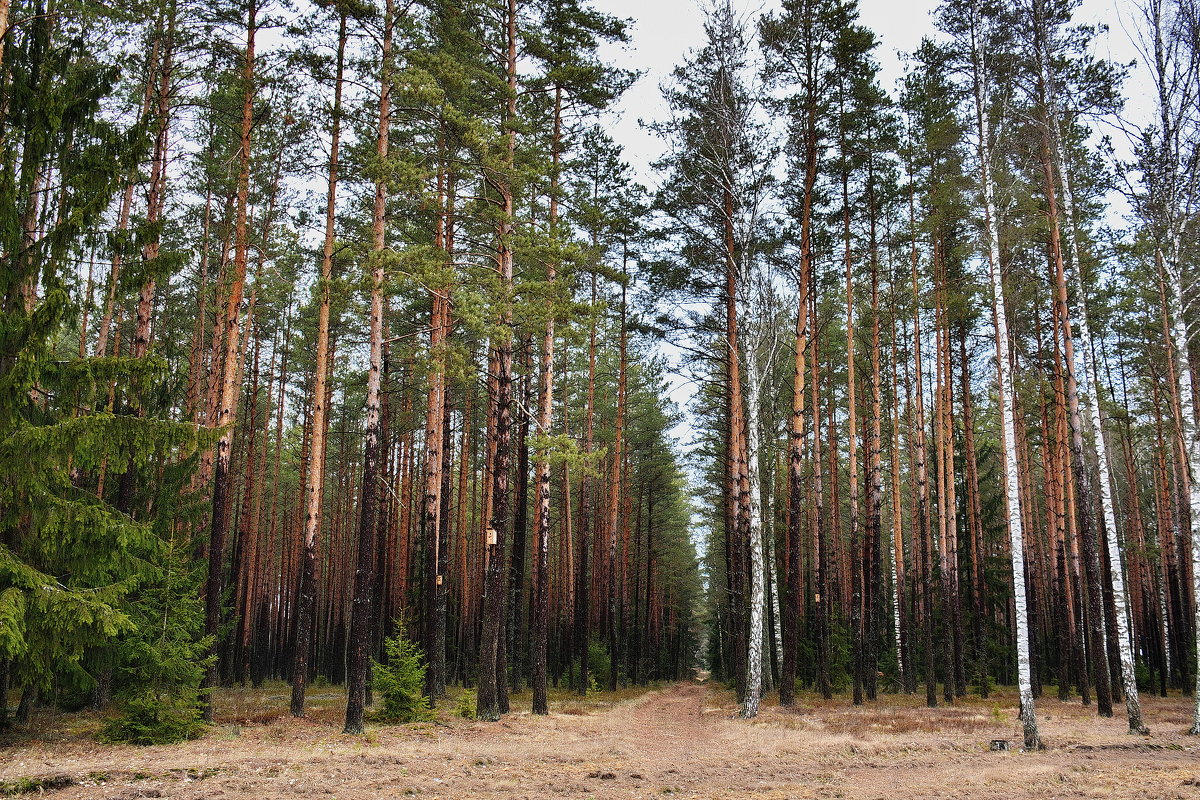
(70, 557)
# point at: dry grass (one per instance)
(870, 721)
(326, 704)
(246, 705)
(682, 740)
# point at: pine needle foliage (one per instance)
(72, 553)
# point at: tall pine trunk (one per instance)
(795, 453)
(922, 534)
(431, 499)
(492, 689)
(856, 544)
(615, 483)
(314, 477)
(358, 661)
(222, 495)
(541, 561)
(587, 515)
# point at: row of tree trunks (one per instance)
(233, 290)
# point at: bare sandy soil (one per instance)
(679, 741)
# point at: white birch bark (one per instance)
(896, 540)
(1007, 411)
(773, 577)
(895, 601)
(1088, 377)
(757, 574)
(1163, 617)
(1191, 437)
(1013, 500)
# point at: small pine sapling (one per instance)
(400, 681)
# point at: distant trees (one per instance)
(219, 427)
(717, 171)
(944, 419)
(969, 239)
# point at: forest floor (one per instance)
(680, 741)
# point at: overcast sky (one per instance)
(663, 31)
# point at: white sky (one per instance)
(664, 30)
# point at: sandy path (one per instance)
(681, 741)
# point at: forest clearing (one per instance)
(411, 397)
(681, 741)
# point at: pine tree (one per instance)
(798, 48)
(314, 480)
(493, 698)
(566, 42)
(715, 191)
(364, 569)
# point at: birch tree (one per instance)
(717, 167)
(1168, 158)
(981, 32)
(1089, 386)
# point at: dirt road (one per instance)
(681, 741)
